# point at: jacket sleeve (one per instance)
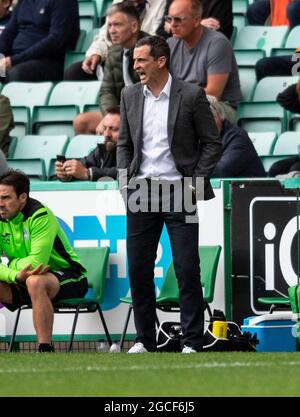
(94, 161)
(108, 91)
(6, 119)
(43, 229)
(125, 144)
(61, 26)
(210, 142)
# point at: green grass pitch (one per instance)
(153, 374)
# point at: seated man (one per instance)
(36, 38)
(203, 56)
(123, 23)
(5, 13)
(42, 268)
(239, 157)
(150, 15)
(6, 123)
(217, 15)
(101, 162)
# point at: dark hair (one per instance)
(113, 110)
(158, 47)
(16, 179)
(125, 7)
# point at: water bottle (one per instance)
(101, 346)
(115, 348)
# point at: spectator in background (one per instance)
(150, 13)
(101, 162)
(274, 12)
(289, 98)
(282, 12)
(124, 30)
(6, 123)
(217, 15)
(5, 13)
(36, 38)
(239, 157)
(203, 56)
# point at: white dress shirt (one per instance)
(157, 160)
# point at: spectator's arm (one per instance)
(216, 84)
(9, 33)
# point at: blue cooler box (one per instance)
(276, 332)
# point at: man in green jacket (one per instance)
(42, 266)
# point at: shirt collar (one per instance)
(166, 90)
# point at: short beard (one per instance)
(109, 145)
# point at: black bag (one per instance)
(169, 336)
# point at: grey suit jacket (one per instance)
(192, 134)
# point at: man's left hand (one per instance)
(28, 271)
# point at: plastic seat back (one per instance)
(261, 37)
(263, 142)
(95, 260)
(81, 145)
(75, 93)
(287, 144)
(42, 147)
(28, 94)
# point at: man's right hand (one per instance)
(90, 63)
(61, 173)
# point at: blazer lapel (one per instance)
(174, 103)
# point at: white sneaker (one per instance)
(188, 349)
(138, 348)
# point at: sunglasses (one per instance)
(178, 20)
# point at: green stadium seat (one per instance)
(168, 299)
(33, 167)
(80, 41)
(40, 147)
(287, 144)
(248, 81)
(89, 39)
(95, 260)
(102, 6)
(292, 42)
(27, 94)
(239, 21)
(78, 147)
(66, 101)
(23, 97)
(72, 57)
(263, 142)
(81, 145)
(22, 121)
(261, 37)
(88, 16)
(294, 122)
(239, 6)
(248, 57)
(264, 113)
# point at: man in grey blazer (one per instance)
(167, 136)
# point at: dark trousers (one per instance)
(143, 233)
(42, 69)
(75, 73)
(275, 65)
